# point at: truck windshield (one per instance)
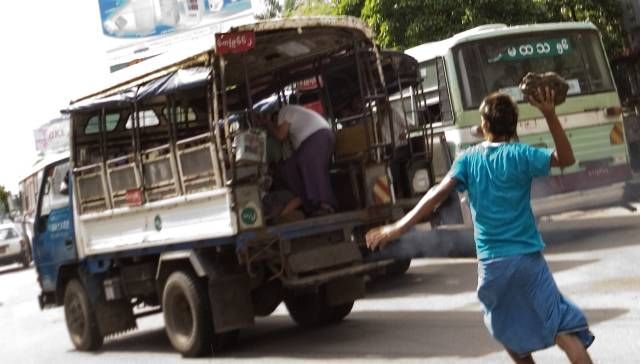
(498, 64)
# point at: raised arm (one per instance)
(563, 154)
(381, 236)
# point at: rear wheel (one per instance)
(307, 309)
(338, 313)
(80, 317)
(312, 309)
(266, 298)
(186, 314)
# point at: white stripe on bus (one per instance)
(534, 126)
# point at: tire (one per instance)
(399, 267)
(80, 318)
(311, 310)
(266, 298)
(187, 316)
(307, 309)
(338, 313)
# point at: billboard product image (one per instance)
(146, 18)
(138, 30)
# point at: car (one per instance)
(14, 247)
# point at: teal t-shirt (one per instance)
(498, 179)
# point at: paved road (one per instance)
(430, 315)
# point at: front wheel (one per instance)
(80, 317)
(186, 314)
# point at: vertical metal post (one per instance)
(247, 85)
(214, 125)
(136, 129)
(364, 99)
(173, 151)
(225, 116)
(404, 110)
(103, 151)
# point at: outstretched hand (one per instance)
(544, 100)
(378, 238)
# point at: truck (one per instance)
(163, 204)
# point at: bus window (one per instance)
(147, 118)
(498, 64)
(183, 115)
(54, 197)
(429, 75)
(435, 92)
(93, 124)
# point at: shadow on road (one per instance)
(152, 341)
(590, 239)
(368, 334)
(444, 278)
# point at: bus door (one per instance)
(53, 243)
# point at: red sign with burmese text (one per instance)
(236, 42)
(134, 197)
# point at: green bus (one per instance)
(458, 72)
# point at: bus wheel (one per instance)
(80, 317)
(399, 267)
(186, 315)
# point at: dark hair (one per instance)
(499, 110)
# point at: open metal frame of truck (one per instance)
(160, 206)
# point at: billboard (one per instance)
(136, 30)
(52, 136)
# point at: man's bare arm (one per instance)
(381, 236)
(563, 154)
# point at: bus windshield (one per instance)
(498, 64)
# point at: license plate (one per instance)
(3, 249)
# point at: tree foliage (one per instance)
(403, 24)
(4, 202)
(309, 7)
(273, 9)
(286, 8)
(605, 14)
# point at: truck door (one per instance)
(53, 243)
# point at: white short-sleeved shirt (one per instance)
(302, 122)
(399, 128)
